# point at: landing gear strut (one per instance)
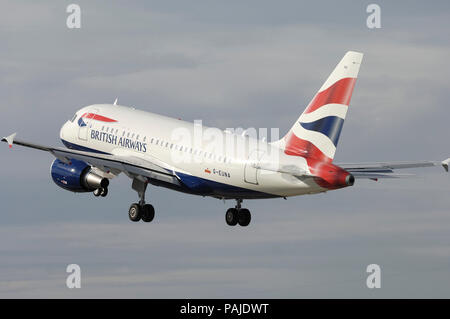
(238, 215)
(141, 210)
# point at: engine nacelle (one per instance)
(76, 176)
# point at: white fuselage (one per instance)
(227, 165)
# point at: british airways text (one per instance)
(121, 141)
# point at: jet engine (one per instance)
(77, 176)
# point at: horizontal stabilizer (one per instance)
(373, 175)
(386, 169)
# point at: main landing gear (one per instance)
(238, 215)
(141, 211)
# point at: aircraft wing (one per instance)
(387, 169)
(361, 170)
(108, 164)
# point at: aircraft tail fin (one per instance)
(316, 132)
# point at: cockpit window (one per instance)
(73, 118)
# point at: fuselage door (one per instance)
(251, 170)
(85, 123)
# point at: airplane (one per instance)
(103, 140)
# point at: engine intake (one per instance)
(76, 176)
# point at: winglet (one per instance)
(9, 139)
(445, 164)
(115, 101)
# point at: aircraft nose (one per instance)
(62, 130)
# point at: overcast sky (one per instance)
(231, 64)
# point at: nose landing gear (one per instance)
(238, 215)
(102, 191)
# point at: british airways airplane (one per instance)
(104, 140)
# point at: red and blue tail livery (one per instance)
(316, 133)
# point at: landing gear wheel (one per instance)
(148, 213)
(100, 192)
(135, 212)
(231, 217)
(244, 217)
(104, 192)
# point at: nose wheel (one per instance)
(103, 191)
(238, 215)
(141, 211)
